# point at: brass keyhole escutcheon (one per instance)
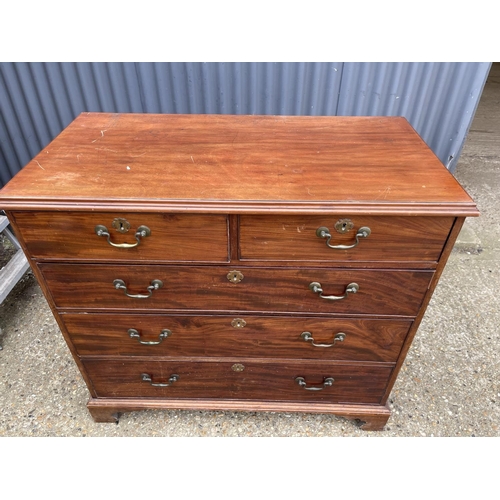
(344, 225)
(234, 276)
(121, 225)
(238, 323)
(238, 367)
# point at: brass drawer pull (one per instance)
(307, 336)
(328, 382)
(155, 285)
(142, 232)
(350, 288)
(324, 232)
(134, 334)
(147, 378)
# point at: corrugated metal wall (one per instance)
(37, 100)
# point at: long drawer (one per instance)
(243, 335)
(380, 292)
(295, 238)
(239, 379)
(171, 237)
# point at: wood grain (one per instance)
(238, 164)
(354, 383)
(246, 193)
(207, 288)
(53, 308)
(371, 417)
(174, 237)
(432, 286)
(393, 239)
(261, 337)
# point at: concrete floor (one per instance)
(449, 384)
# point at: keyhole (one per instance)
(235, 276)
(121, 225)
(238, 323)
(343, 225)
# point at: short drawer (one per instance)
(239, 379)
(210, 288)
(296, 238)
(167, 237)
(236, 335)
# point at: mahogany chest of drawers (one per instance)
(237, 262)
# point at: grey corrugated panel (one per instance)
(37, 100)
(16, 126)
(8, 156)
(240, 88)
(438, 99)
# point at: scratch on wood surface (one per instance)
(106, 149)
(39, 165)
(102, 135)
(137, 156)
(383, 194)
(192, 159)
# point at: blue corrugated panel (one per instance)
(37, 100)
(438, 99)
(240, 88)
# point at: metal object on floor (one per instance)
(16, 267)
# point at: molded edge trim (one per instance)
(245, 207)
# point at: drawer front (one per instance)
(238, 379)
(72, 235)
(294, 238)
(243, 335)
(381, 292)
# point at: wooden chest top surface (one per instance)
(237, 164)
